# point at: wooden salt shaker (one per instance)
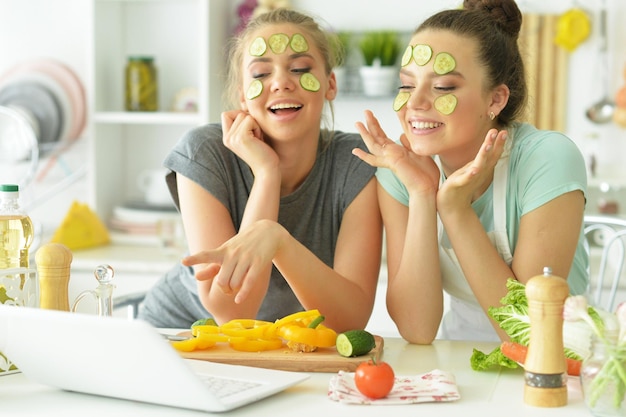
(53, 270)
(545, 366)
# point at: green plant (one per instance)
(341, 45)
(383, 45)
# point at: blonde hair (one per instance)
(327, 43)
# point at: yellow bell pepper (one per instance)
(249, 328)
(308, 332)
(300, 315)
(204, 328)
(249, 335)
(245, 344)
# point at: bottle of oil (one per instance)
(16, 236)
(16, 230)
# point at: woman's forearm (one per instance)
(414, 294)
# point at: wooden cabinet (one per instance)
(187, 39)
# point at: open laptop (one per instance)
(125, 359)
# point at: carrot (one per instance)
(517, 352)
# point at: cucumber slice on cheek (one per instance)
(309, 82)
(401, 99)
(445, 104)
(254, 89)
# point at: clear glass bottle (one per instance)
(603, 379)
(141, 84)
(16, 235)
(16, 230)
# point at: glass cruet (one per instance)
(103, 293)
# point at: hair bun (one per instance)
(504, 12)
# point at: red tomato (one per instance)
(374, 379)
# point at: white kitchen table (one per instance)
(487, 393)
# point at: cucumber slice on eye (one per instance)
(278, 42)
(401, 99)
(258, 47)
(444, 63)
(309, 82)
(298, 43)
(254, 89)
(422, 54)
(406, 57)
(445, 104)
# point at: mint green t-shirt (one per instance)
(543, 165)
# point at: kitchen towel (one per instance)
(433, 386)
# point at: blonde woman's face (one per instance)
(284, 85)
(447, 108)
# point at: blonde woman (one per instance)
(279, 214)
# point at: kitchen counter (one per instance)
(487, 393)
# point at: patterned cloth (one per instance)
(433, 386)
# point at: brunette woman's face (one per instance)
(447, 109)
(285, 89)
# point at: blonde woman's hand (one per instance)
(466, 184)
(417, 173)
(243, 135)
(242, 262)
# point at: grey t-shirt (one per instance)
(312, 214)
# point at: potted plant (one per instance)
(380, 50)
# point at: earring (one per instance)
(492, 115)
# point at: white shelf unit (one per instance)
(187, 38)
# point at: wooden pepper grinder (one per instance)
(545, 366)
(53, 269)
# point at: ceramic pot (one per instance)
(378, 81)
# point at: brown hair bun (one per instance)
(504, 12)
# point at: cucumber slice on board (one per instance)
(444, 63)
(254, 89)
(258, 47)
(309, 82)
(445, 104)
(278, 42)
(355, 343)
(401, 99)
(298, 43)
(422, 54)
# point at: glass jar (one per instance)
(603, 379)
(141, 84)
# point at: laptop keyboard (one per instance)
(223, 387)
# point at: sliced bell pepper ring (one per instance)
(245, 344)
(249, 328)
(204, 328)
(188, 345)
(299, 332)
(300, 315)
(195, 343)
(200, 341)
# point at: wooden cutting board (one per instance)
(322, 360)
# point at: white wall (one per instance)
(33, 29)
(44, 28)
